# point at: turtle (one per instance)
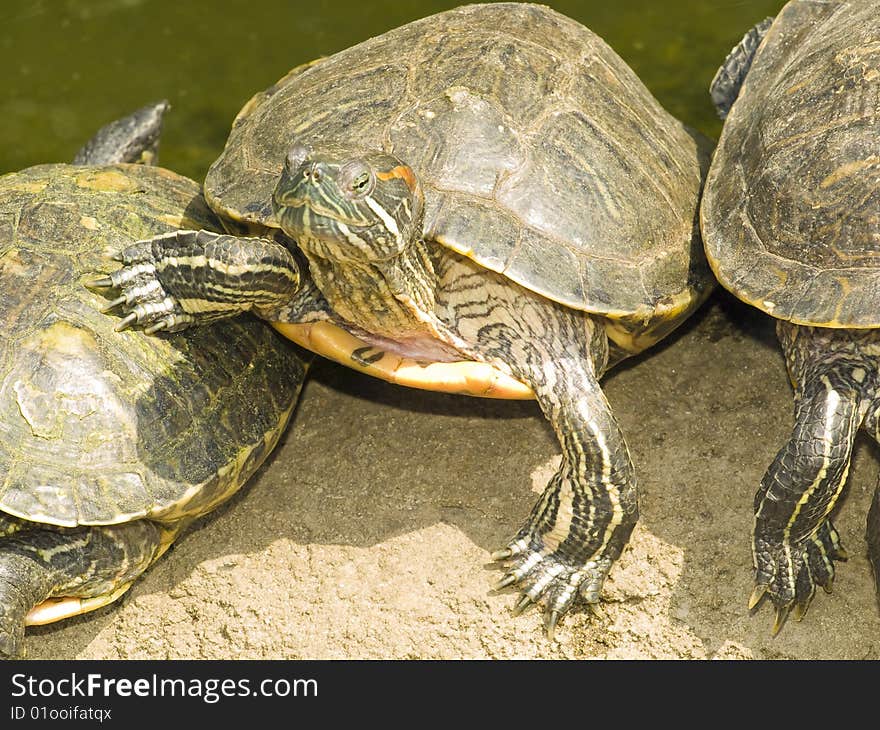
(485, 201)
(790, 223)
(109, 446)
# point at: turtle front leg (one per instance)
(794, 543)
(187, 278)
(80, 568)
(583, 520)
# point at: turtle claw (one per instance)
(551, 579)
(517, 547)
(153, 329)
(551, 619)
(507, 580)
(524, 602)
(757, 594)
(800, 610)
(143, 298)
(781, 617)
(126, 322)
(99, 282)
(110, 306)
(789, 573)
(502, 554)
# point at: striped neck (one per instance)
(393, 298)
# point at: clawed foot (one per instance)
(550, 579)
(143, 299)
(788, 574)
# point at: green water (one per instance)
(72, 65)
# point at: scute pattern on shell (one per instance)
(100, 427)
(790, 214)
(494, 107)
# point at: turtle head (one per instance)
(345, 207)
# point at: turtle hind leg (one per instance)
(729, 78)
(794, 544)
(88, 563)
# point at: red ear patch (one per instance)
(402, 172)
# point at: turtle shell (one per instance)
(791, 211)
(540, 153)
(99, 427)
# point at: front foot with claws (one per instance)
(188, 278)
(788, 574)
(550, 579)
(143, 299)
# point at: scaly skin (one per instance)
(80, 562)
(729, 78)
(836, 375)
(583, 520)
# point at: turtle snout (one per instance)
(297, 165)
(316, 172)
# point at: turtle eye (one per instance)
(361, 182)
(357, 179)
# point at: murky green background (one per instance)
(69, 66)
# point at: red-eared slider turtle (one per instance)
(489, 192)
(109, 445)
(791, 221)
